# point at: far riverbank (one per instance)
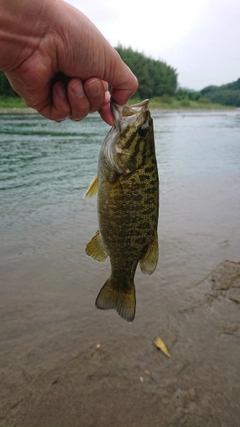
(164, 103)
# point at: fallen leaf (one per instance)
(161, 346)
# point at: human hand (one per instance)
(59, 62)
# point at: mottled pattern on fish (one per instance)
(128, 200)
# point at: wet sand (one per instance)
(65, 363)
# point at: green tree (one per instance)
(228, 94)
(155, 78)
(187, 94)
(5, 87)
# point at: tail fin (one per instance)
(123, 302)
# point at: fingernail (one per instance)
(95, 89)
(61, 91)
(77, 90)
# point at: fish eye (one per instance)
(142, 131)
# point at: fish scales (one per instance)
(128, 205)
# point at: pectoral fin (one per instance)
(92, 189)
(149, 262)
(95, 248)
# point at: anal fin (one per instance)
(150, 259)
(95, 248)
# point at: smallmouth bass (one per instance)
(127, 186)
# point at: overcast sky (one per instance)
(200, 38)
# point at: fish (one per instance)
(127, 189)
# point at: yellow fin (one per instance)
(149, 262)
(92, 189)
(112, 297)
(161, 346)
(95, 248)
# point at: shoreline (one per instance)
(17, 110)
(28, 110)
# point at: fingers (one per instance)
(60, 108)
(87, 97)
(90, 97)
(106, 112)
(75, 101)
(78, 99)
(95, 91)
(80, 105)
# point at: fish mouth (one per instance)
(124, 111)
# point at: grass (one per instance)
(164, 102)
(11, 102)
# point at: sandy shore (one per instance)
(120, 378)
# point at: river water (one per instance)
(45, 169)
(47, 284)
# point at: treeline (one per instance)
(158, 79)
(228, 94)
(183, 93)
(155, 78)
(5, 87)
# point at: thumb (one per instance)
(121, 79)
(91, 55)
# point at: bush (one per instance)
(166, 99)
(204, 100)
(185, 103)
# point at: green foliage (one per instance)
(155, 78)
(185, 103)
(228, 94)
(166, 99)
(11, 102)
(187, 94)
(171, 103)
(5, 87)
(204, 100)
